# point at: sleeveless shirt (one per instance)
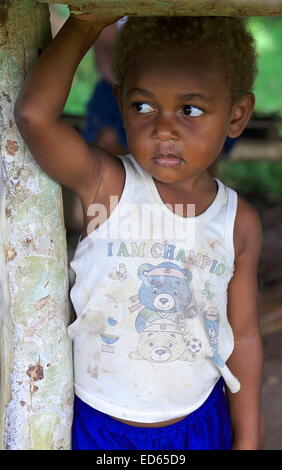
(152, 337)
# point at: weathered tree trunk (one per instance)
(182, 7)
(36, 359)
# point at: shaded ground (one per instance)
(272, 390)
(270, 266)
(270, 310)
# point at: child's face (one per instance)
(177, 114)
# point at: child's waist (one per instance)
(216, 394)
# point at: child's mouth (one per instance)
(167, 160)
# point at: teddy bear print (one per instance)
(164, 341)
(164, 293)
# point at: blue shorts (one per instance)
(103, 111)
(207, 428)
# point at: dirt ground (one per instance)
(272, 390)
(270, 313)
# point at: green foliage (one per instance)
(83, 85)
(268, 85)
(260, 178)
(84, 80)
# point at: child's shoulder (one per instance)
(247, 229)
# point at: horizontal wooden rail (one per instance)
(181, 7)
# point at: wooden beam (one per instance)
(180, 7)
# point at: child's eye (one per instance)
(192, 111)
(143, 107)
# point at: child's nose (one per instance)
(164, 127)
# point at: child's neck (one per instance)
(189, 185)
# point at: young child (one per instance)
(165, 302)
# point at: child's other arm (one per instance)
(246, 361)
(56, 146)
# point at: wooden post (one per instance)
(36, 359)
(181, 7)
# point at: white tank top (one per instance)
(152, 336)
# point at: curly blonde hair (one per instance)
(230, 45)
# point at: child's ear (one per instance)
(241, 112)
(118, 96)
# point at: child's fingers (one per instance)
(86, 14)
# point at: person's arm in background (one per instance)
(103, 49)
(246, 360)
(107, 130)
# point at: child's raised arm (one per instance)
(56, 146)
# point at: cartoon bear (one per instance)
(165, 293)
(211, 323)
(165, 341)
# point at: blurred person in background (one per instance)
(103, 120)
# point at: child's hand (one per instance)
(82, 14)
